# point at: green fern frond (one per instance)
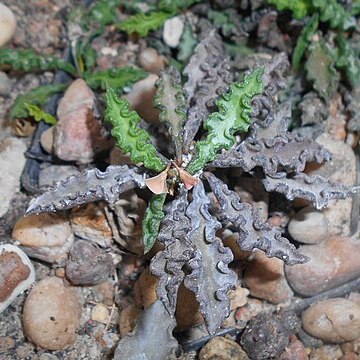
(28, 61)
(152, 219)
(116, 78)
(38, 96)
(299, 8)
(143, 23)
(129, 136)
(39, 114)
(232, 116)
(304, 40)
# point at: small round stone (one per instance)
(333, 320)
(309, 226)
(7, 24)
(52, 314)
(151, 61)
(222, 348)
(100, 313)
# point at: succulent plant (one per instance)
(213, 123)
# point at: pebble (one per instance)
(151, 61)
(249, 311)
(46, 237)
(51, 174)
(238, 297)
(343, 161)
(173, 28)
(350, 356)
(12, 162)
(16, 274)
(5, 82)
(105, 292)
(77, 135)
(222, 348)
(294, 351)
(309, 226)
(51, 314)
(332, 263)
(100, 313)
(127, 319)
(326, 352)
(90, 223)
(47, 139)
(333, 320)
(88, 264)
(141, 98)
(7, 24)
(265, 278)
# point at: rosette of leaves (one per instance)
(180, 214)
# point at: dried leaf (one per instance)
(171, 102)
(29, 61)
(143, 23)
(129, 136)
(40, 115)
(210, 278)
(320, 69)
(208, 51)
(152, 219)
(90, 185)
(288, 151)
(168, 264)
(116, 78)
(264, 106)
(254, 233)
(152, 338)
(233, 116)
(38, 96)
(304, 40)
(316, 189)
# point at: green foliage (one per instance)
(152, 219)
(222, 20)
(299, 8)
(103, 12)
(40, 115)
(187, 44)
(304, 39)
(143, 23)
(334, 14)
(129, 136)
(175, 5)
(116, 78)
(348, 61)
(232, 116)
(320, 69)
(170, 100)
(28, 60)
(37, 96)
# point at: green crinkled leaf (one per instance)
(222, 20)
(143, 23)
(38, 96)
(40, 115)
(170, 100)
(299, 8)
(28, 61)
(116, 78)
(127, 133)
(152, 219)
(103, 11)
(304, 39)
(348, 60)
(232, 116)
(320, 69)
(334, 14)
(187, 44)
(175, 5)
